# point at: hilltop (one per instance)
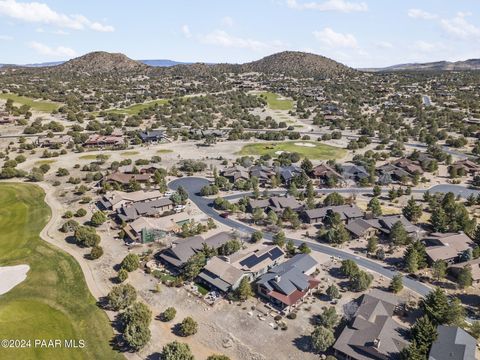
(467, 65)
(101, 62)
(295, 63)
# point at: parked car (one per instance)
(225, 215)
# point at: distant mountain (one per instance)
(295, 63)
(162, 63)
(101, 62)
(472, 64)
(290, 63)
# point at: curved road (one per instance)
(193, 185)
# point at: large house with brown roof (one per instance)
(373, 333)
(448, 247)
(347, 213)
(276, 203)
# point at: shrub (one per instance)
(188, 327)
(130, 263)
(96, 252)
(169, 314)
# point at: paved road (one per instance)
(193, 186)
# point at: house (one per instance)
(354, 173)
(361, 229)
(152, 136)
(453, 343)
(389, 173)
(116, 199)
(224, 273)
(409, 166)
(235, 173)
(276, 203)
(286, 285)
(97, 140)
(474, 267)
(147, 229)
(385, 224)
(288, 173)
(152, 208)
(262, 173)
(347, 213)
(54, 142)
(448, 247)
(125, 179)
(326, 174)
(466, 166)
(180, 252)
(372, 333)
(221, 275)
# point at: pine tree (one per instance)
(397, 284)
(424, 332)
(374, 207)
(412, 211)
(372, 245)
(411, 261)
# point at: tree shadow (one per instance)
(154, 356)
(303, 344)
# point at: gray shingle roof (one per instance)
(453, 343)
(289, 276)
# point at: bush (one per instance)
(122, 275)
(98, 218)
(169, 314)
(130, 263)
(86, 236)
(96, 252)
(121, 297)
(292, 316)
(81, 212)
(188, 327)
(69, 226)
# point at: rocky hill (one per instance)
(295, 63)
(101, 62)
(472, 64)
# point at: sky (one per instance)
(358, 33)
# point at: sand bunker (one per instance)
(305, 144)
(11, 276)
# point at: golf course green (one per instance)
(37, 105)
(310, 149)
(53, 302)
(275, 102)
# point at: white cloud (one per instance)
(6, 38)
(420, 14)
(227, 21)
(34, 12)
(428, 47)
(52, 52)
(186, 31)
(384, 45)
(333, 39)
(460, 27)
(329, 5)
(222, 38)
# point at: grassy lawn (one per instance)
(129, 153)
(38, 105)
(316, 151)
(43, 162)
(54, 301)
(201, 289)
(275, 103)
(92, 157)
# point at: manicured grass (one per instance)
(38, 105)
(54, 301)
(92, 156)
(201, 289)
(129, 153)
(275, 103)
(43, 162)
(318, 151)
(164, 151)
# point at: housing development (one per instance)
(289, 207)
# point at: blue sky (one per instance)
(359, 33)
